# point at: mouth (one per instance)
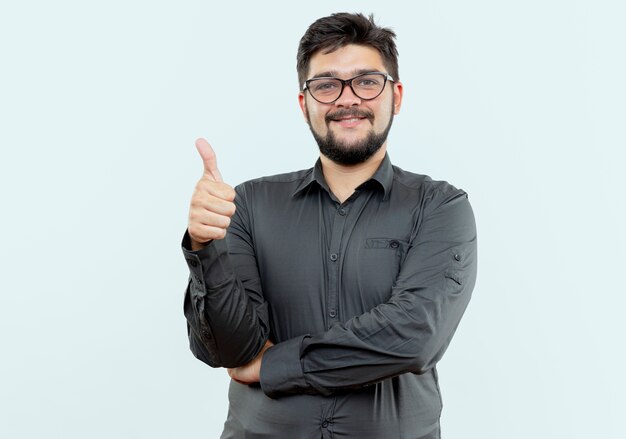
(348, 119)
(349, 122)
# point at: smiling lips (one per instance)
(348, 118)
(348, 122)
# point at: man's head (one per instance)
(330, 33)
(351, 124)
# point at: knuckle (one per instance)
(226, 191)
(201, 186)
(195, 219)
(230, 194)
(198, 199)
(196, 234)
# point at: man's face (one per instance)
(350, 130)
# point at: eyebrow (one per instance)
(335, 74)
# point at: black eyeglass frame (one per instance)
(348, 82)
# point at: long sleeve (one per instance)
(227, 320)
(407, 333)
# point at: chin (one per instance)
(350, 139)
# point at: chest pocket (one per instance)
(379, 261)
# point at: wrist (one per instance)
(195, 245)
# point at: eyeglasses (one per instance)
(365, 86)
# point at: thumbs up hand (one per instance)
(212, 203)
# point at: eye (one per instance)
(368, 81)
(325, 86)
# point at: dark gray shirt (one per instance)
(361, 299)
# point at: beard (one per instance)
(345, 153)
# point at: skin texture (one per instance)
(376, 114)
(212, 203)
(344, 63)
(251, 372)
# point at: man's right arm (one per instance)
(226, 314)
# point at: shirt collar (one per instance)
(383, 176)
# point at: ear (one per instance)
(398, 89)
(302, 103)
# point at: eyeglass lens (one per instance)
(366, 86)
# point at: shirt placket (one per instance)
(335, 257)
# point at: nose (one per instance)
(347, 98)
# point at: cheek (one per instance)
(311, 112)
(383, 115)
(316, 119)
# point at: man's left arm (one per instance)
(408, 333)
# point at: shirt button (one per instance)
(394, 244)
(342, 211)
(192, 262)
(457, 257)
(333, 257)
(325, 424)
(332, 313)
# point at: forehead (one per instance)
(346, 61)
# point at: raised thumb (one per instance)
(209, 159)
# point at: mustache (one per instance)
(349, 112)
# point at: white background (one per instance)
(522, 104)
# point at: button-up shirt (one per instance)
(361, 299)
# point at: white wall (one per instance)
(522, 104)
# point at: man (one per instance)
(336, 289)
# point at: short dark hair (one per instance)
(340, 29)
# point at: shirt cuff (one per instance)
(209, 266)
(281, 369)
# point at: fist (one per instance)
(212, 203)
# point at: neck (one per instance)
(344, 179)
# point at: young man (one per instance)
(336, 289)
